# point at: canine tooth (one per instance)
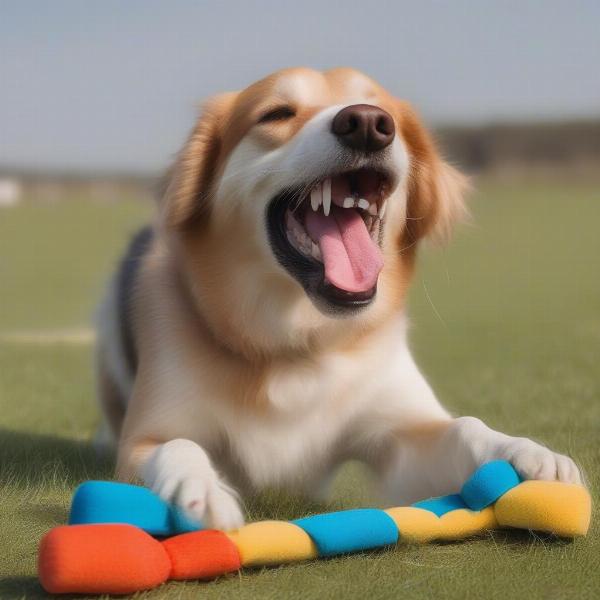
(348, 202)
(382, 210)
(316, 197)
(364, 204)
(373, 209)
(315, 251)
(327, 196)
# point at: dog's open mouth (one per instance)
(333, 228)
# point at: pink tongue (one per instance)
(352, 259)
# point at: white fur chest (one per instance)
(291, 441)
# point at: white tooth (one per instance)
(327, 196)
(373, 209)
(315, 251)
(364, 204)
(382, 210)
(316, 197)
(348, 202)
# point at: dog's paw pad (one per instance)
(192, 496)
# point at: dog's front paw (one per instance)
(534, 461)
(475, 443)
(180, 472)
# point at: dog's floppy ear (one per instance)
(436, 190)
(190, 180)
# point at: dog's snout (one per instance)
(364, 127)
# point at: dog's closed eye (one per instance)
(280, 113)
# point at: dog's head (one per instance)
(308, 185)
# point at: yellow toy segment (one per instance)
(464, 523)
(550, 506)
(419, 525)
(415, 524)
(272, 543)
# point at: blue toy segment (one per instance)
(440, 506)
(109, 502)
(489, 482)
(350, 530)
(112, 502)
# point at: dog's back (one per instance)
(116, 353)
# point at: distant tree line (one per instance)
(557, 146)
(485, 148)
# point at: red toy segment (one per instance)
(201, 555)
(101, 559)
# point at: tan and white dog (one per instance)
(255, 335)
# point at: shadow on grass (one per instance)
(22, 587)
(35, 460)
(283, 506)
(525, 537)
(46, 514)
(28, 459)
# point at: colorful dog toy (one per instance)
(108, 547)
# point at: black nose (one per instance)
(364, 127)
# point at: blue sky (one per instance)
(114, 84)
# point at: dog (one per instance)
(256, 334)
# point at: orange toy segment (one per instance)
(201, 555)
(100, 559)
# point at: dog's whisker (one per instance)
(435, 310)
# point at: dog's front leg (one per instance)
(181, 472)
(436, 459)
(155, 446)
(428, 453)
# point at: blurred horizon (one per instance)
(115, 86)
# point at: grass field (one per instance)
(506, 323)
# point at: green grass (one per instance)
(506, 324)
